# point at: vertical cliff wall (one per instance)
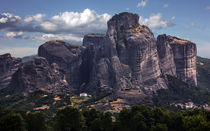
(8, 66)
(183, 55)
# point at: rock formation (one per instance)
(38, 74)
(67, 56)
(183, 55)
(136, 48)
(8, 66)
(127, 57)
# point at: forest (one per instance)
(138, 118)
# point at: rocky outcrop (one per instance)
(38, 74)
(136, 48)
(8, 65)
(97, 67)
(126, 57)
(166, 57)
(184, 55)
(67, 56)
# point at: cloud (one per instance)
(36, 18)
(156, 21)
(68, 26)
(207, 8)
(173, 18)
(64, 37)
(75, 22)
(72, 25)
(165, 5)
(14, 35)
(142, 4)
(19, 51)
(192, 25)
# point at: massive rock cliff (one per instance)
(127, 60)
(178, 55)
(38, 74)
(136, 48)
(126, 57)
(8, 66)
(67, 56)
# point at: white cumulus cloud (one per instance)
(71, 25)
(75, 22)
(37, 17)
(14, 35)
(155, 21)
(142, 3)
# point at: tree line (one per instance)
(138, 118)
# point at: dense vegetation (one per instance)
(180, 92)
(203, 73)
(48, 103)
(137, 118)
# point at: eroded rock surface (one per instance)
(126, 57)
(38, 74)
(178, 58)
(8, 66)
(127, 60)
(67, 56)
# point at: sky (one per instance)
(26, 24)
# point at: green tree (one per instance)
(12, 122)
(36, 122)
(196, 123)
(69, 119)
(160, 127)
(97, 120)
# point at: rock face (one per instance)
(8, 66)
(67, 56)
(184, 55)
(136, 48)
(38, 74)
(166, 57)
(127, 57)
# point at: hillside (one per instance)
(203, 72)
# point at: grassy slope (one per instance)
(35, 100)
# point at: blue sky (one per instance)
(26, 24)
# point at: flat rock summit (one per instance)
(127, 57)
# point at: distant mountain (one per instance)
(27, 58)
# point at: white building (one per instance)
(189, 105)
(83, 94)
